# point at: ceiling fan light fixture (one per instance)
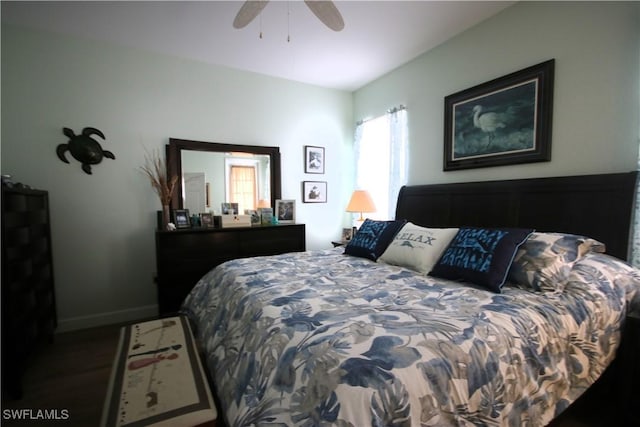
(325, 10)
(248, 12)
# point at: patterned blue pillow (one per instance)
(480, 255)
(544, 261)
(372, 238)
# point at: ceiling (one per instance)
(378, 36)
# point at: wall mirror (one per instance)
(214, 173)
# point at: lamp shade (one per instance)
(263, 203)
(361, 202)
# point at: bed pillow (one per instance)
(544, 261)
(372, 238)
(481, 256)
(418, 248)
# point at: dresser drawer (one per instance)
(272, 241)
(184, 256)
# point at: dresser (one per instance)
(28, 297)
(184, 256)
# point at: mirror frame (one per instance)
(174, 162)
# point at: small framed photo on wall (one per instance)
(285, 211)
(313, 159)
(314, 192)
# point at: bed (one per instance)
(352, 339)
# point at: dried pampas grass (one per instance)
(155, 168)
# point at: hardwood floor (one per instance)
(72, 374)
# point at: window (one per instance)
(242, 185)
(381, 149)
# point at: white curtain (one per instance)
(399, 155)
(381, 155)
(357, 144)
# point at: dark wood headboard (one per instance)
(598, 206)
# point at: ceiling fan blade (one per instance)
(247, 13)
(327, 12)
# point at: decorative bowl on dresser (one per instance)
(184, 256)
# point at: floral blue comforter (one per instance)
(322, 338)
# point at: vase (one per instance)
(165, 216)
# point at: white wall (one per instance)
(596, 112)
(103, 224)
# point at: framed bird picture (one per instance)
(501, 122)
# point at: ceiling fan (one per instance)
(325, 10)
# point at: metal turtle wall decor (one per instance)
(84, 148)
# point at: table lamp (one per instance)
(263, 203)
(361, 202)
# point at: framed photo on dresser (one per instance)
(285, 211)
(181, 218)
(229, 208)
(206, 220)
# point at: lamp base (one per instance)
(357, 223)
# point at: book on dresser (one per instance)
(28, 298)
(184, 256)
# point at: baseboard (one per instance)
(109, 318)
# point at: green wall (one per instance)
(103, 224)
(596, 110)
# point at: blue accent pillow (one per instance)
(481, 255)
(372, 238)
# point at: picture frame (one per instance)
(206, 220)
(314, 159)
(229, 208)
(181, 218)
(504, 121)
(266, 215)
(314, 192)
(285, 211)
(347, 234)
(255, 216)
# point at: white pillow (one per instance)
(418, 248)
